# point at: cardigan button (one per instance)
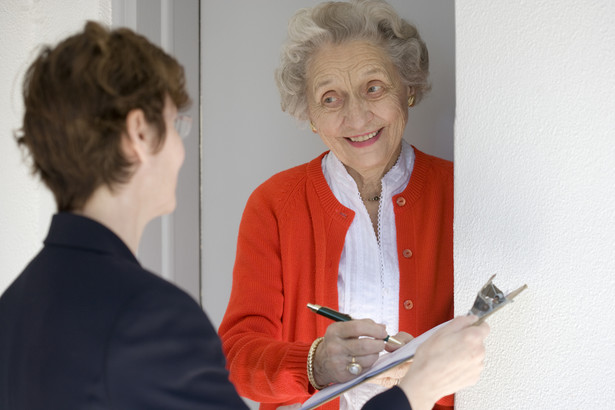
(408, 304)
(407, 253)
(401, 201)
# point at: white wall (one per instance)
(535, 196)
(25, 205)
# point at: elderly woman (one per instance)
(365, 228)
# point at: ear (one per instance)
(135, 141)
(313, 127)
(410, 91)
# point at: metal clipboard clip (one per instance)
(491, 299)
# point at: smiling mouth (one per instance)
(365, 137)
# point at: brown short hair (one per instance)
(77, 96)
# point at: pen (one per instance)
(341, 317)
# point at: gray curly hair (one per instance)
(338, 22)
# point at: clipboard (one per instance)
(489, 300)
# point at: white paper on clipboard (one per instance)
(489, 300)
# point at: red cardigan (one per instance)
(288, 251)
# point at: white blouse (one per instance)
(368, 276)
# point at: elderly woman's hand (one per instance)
(447, 362)
(403, 337)
(343, 344)
(392, 376)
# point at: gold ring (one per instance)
(353, 367)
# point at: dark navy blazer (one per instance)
(86, 327)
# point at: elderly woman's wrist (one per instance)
(311, 364)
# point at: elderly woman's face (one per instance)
(358, 104)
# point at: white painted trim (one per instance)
(166, 25)
(124, 13)
(167, 245)
(167, 258)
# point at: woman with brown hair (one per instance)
(84, 325)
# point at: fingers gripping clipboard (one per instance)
(489, 300)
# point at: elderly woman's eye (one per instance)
(330, 99)
(374, 89)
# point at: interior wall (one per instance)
(246, 136)
(535, 197)
(25, 205)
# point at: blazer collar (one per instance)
(76, 231)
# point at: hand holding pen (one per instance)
(342, 317)
(348, 347)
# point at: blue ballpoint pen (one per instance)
(341, 317)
